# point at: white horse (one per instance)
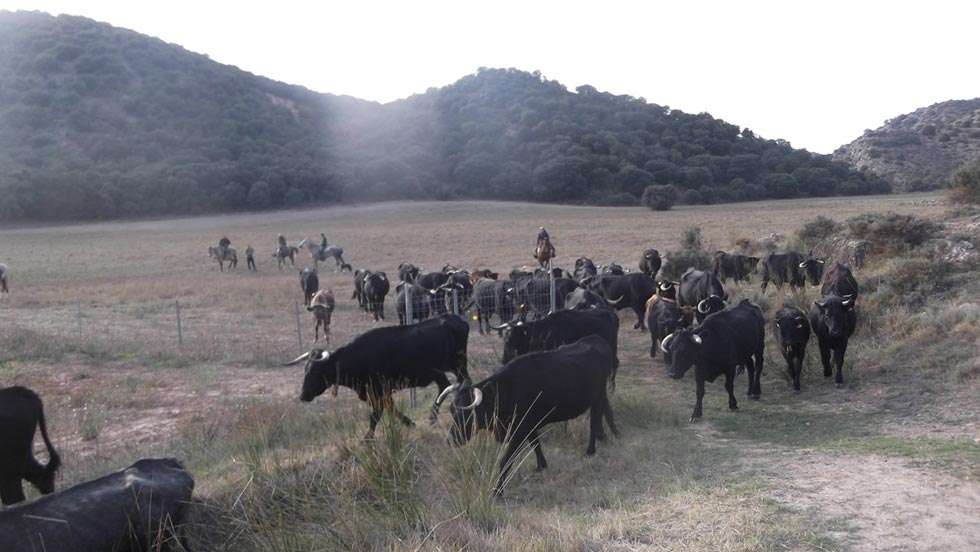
(321, 254)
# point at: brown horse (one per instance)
(544, 252)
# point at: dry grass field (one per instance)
(889, 462)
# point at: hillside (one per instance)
(922, 149)
(101, 122)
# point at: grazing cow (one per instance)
(374, 291)
(630, 291)
(581, 298)
(650, 263)
(812, 269)
(833, 321)
(584, 269)
(561, 328)
(358, 294)
(139, 509)
(322, 306)
(21, 413)
(702, 290)
(479, 273)
(724, 341)
(782, 268)
(792, 331)
(532, 391)
(309, 282)
(407, 272)
(421, 300)
(733, 265)
(3, 278)
(664, 317)
(383, 360)
(227, 255)
(840, 281)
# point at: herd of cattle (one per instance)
(560, 358)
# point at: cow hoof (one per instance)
(755, 397)
(839, 385)
(796, 390)
(694, 419)
(590, 451)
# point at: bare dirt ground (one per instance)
(92, 315)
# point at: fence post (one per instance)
(409, 319)
(180, 329)
(299, 327)
(456, 302)
(551, 289)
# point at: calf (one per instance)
(792, 331)
(532, 391)
(139, 509)
(833, 321)
(322, 306)
(309, 282)
(723, 342)
(21, 413)
(374, 291)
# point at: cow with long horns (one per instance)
(703, 291)
(723, 342)
(383, 360)
(532, 391)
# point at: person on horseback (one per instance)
(323, 242)
(282, 241)
(223, 245)
(543, 236)
(544, 251)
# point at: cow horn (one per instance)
(501, 327)
(846, 302)
(664, 342)
(697, 338)
(664, 287)
(477, 399)
(616, 301)
(702, 307)
(819, 261)
(803, 264)
(442, 396)
(298, 359)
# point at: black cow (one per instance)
(484, 299)
(532, 391)
(460, 284)
(733, 265)
(359, 276)
(723, 342)
(664, 317)
(21, 413)
(839, 280)
(584, 269)
(792, 331)
(650, 263)
(376, 287)
(702, 290)
(562, 328)
(630, 291)
(383, 360)
(139, 509)
(435, 282)
(812, 269)
(782, 268)
(833, 321)
(421, 300)
(407, 272)
(581, 298)
(534, 294)
(310, 283)
(612, 268)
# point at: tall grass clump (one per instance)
(692, 253)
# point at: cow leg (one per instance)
(377, 409)
(640, 315)
(402, 417)
(607, 411)
(12, 490)
(730, 387)
(536, 443)
(824, 357)
(752, 376)
(797, 368)
(700, 399)
(759, 360)
(839, 363)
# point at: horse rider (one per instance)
(282, 243)
(223, 245)
(323, 242)
(250, 257)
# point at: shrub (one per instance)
(659, 198)
(692, 197)
(691, 254)
(817, 230)
(965, 187)
(891, 232)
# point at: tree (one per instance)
(965, 187)
(659, 198)
(259, 196)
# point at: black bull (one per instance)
(629, 291)
(383, 360)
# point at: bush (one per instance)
(817, 230)
(622, 199)
(965, 187)
(891, 232)
(691, 254)
(692, 197)
(659, 198)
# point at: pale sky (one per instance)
(816, 73)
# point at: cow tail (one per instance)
(54, 461)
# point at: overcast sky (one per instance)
(815, 73)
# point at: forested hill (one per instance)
(101, 122)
